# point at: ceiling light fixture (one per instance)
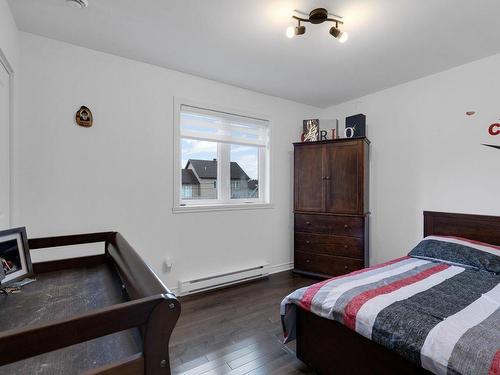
(317, 16)
(80, 4)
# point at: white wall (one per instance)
(426, 154)
(9, 35)
(9, 56)
(117, 175)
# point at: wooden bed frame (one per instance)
(329, 347)
(151, 307)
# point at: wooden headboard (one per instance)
(475, 227)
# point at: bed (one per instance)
(431, 312)
(102, 314)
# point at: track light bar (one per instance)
(317, 16)
(80, 4)
(332, 15)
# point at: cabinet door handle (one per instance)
(346, 246)
(323, 178)
(346, 227)
(308, 223)
(308, 242)
(327, 177)
(308, 260)
(346, 268)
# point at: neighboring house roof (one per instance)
(208, 169)
(188, 177)
(237, 173)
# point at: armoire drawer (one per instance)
(326, 264)
(351, 247)
(328, 224)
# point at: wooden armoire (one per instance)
(331, 206)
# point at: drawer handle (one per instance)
(346, 227)
(308, 242)
(308, 260)
(308, 223)
(346, 246)
(346, 268)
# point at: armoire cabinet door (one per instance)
(344, 191)
(309, 192)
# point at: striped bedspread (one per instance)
(444, 317)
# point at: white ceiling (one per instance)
(243, 42)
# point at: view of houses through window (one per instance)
(244, 171)
(199, 170)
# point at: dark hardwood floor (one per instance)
(236, 330)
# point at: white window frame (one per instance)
(224, 201)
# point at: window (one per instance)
(223, 158)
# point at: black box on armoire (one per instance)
(358, 124)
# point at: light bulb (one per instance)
(290, 31)
(343, 37)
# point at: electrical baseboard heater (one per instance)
(225, 279)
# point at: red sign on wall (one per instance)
(493, 130)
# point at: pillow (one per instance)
(459, 251)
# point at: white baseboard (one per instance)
(281, 267)
(174, 290)
(272, 269)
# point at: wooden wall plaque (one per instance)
(83, 117)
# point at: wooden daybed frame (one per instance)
(329, 347)
(151, 307)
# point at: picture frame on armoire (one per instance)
(310, 130)
(15, 257)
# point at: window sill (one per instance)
(222, 207)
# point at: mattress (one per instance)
(438, 314)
